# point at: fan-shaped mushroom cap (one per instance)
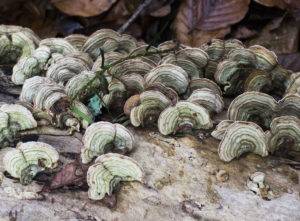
(168, 92)
(47, 95)
(241, 137)
(58, 45)
(143, 49)
(185, 115)
(131, 102)
(259, 80)
(31, 85)
(24, 69)
(77, 40)
(84, 57)
(94, 43)
(169, 75)
(19, 115)
(134, 83)
(152, 104)
(208, 99)
(76, 83)
(102, 137)
(16, 42)
(204, 83)
(187, 65)
(266, 60)
(116, 97)
(257, 107)
(109, 58)
(138, 66)
(216, 50)
(284, 133)
(168, 45)
(66, 68)
(192, 60)
(109, 169)
(23, 161)
(84, 109)
(294, 85)
(108, 40)
(289, 105)
(233, 71)
(221, 128)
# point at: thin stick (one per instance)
(134, 16)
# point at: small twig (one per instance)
(134, 16)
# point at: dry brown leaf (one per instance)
(283, 4)
(198, 21)
(290, 61)
(271, 3)
(282, 40)
(84, 8)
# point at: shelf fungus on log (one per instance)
(241, 137)
(116, 97)
(170, 76)
(28, 159)
(289, 105)
(109, 170)
(192, 60)
(50, 50)
(261, 108)
(132, 66)
(66, 68)
(14, 118)
(108, 40)
(221, 128)
(58, 45)
(284, 134)
(217, 49)
(31, 85)
(183, 117)
(77, 40)
(16, 42)
(134, 83)
(102, 137)
(208, 99)
(257, 107)
(143, 49)
(294, 86)
(249, 69)
(204, 83)
(109, 58)
(75, 85)
(53, 100)
(151, 104)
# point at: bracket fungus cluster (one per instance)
(174, 87)
(241, 137)
(262, 108)
(16, 42)
(109, 170)
(52, 103)
(28, 159)
(238, 137)
(102, 137)
(14, 118)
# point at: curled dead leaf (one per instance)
(82, 7)
(198, 21)
(283, 4)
